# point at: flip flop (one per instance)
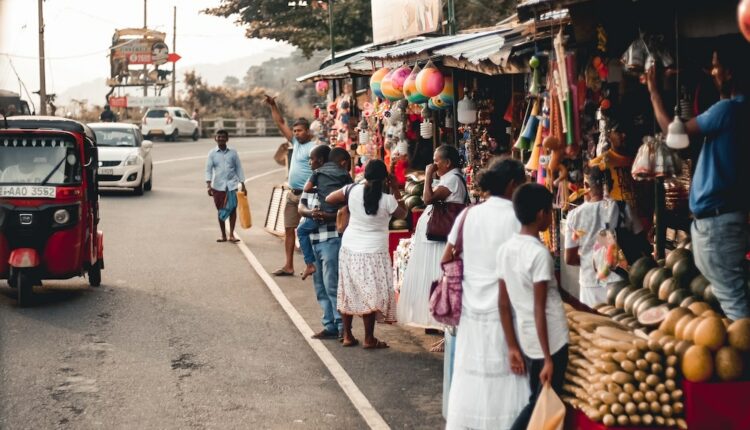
(354, 342)
(234, 240)
(378, 345)
(282, 272)
(221, 240)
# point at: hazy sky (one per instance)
(78, 34)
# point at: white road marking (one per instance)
(358, 399)
(203, 157)
(355, 395)
(270, 172)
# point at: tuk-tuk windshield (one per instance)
(32, 160)
(115, 137)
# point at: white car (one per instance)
(124, 157)
(170, 122)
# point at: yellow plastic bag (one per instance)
(243, 210)
(549, 412)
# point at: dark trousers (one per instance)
(533, 367)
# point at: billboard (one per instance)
(401, 19)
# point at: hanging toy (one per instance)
(535, 84)
(376, 80)
(410, 88)
(524, 140)
(743, 18)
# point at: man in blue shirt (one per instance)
(223, 174)
(299, 172)
(718, 193)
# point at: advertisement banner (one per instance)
(139, 52)
(148, 101)
(118, 102)
(401, 19)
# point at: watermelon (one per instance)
(622, 295)
(710, 297)
(658, 278)
(637, 303)
(630, 300)
(676, 255)
(677, 297)
(647, 279)
(412, 202)
(639, 269)
(613, 289)
(667, 288)
(654, 316)
(698, 286)
(684, 271)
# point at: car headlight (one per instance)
(61, 216)
(132, 160)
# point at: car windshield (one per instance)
(32, 159)
(114, 137)
(156, 113)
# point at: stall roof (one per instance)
(356, 64)
(418, 47)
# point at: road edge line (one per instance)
(371, 416)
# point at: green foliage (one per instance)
(482, 13)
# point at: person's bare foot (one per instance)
(309, 270)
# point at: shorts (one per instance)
(220, 198)
(291, 211)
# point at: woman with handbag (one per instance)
(365, 274)
(446, 197)
(484, 393)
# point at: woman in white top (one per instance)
(365, 282)
(424, 262)
(484, 393)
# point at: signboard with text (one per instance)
(401, 19)
(122, 102)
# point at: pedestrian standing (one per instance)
(107, 115)
(223, 176)
(299, 172)
(718, 191)
(484, 393)
(365, 274)
(529, 291)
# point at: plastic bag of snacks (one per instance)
(644, 165)
(606, 253)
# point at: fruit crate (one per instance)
(718, 405)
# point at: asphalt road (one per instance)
(183, 333)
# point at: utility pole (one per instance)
(145, 67)
(174, 49)
(451, 17)
(42, 76)
(330, 28)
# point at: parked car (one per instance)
(124, 157)
(170, 122)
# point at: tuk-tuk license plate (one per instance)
(28, 191)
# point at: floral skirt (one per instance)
(366, 285)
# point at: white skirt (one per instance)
(423, 268)
(366, 285)
(484, 393)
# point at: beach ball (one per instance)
(386, 87)
(410, 88)
(743, 18)
(447, 94)
(375, 81)
(430, 82)
(399, 78)
(321, 87)
(436, 103)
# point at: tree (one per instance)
(303, 26)
(232, 82)
(482, 13)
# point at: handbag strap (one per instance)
(458, 248)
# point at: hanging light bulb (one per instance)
(677, 137)
(467, 110)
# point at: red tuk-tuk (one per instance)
(49, 209)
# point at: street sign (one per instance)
(148, 101)
(118, 102)
(173, 57)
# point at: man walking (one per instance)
(299, 172)
(718, 193)
(223, 174)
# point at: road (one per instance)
(185, 333)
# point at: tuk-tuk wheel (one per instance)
(24, 289)
(95, 274)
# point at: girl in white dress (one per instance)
(484, 393)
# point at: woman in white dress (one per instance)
(365, 282)
(424, 263)
(484, 393)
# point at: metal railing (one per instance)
(240, 127)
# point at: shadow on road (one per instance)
(49, 296)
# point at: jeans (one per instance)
(448, 356)
(326, 282)
(533, 367)
(719, 246)
(307, 226)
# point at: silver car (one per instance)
(124, 157)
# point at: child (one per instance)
(527, 284)
(330, 173)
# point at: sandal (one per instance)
(377, 345)
(282, 272)
(221, 240)
(353, 342)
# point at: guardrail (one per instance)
(241, 127)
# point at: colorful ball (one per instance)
(386, 87)
(447, 94)
(436, 103)
(321, 87)
(375, 81)
(398, 78)
(430, 82)
(410, 89)
(743, 18)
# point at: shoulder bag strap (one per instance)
(467, 201)
(458, 248)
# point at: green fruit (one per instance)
(637, 303)
(644, 305)
(698, 286)
(622, 295)
(630, 300)
(677, 254)
(647, 278)
(614, 289)
(688, 301)
(709, 297)
(684, 271)
(678, 296)
(534, 62)
(639, 269)
(658, 278)
(418, 189)
(666, 288)
(412, 202)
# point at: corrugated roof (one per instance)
(355, 64)
(419, 47)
